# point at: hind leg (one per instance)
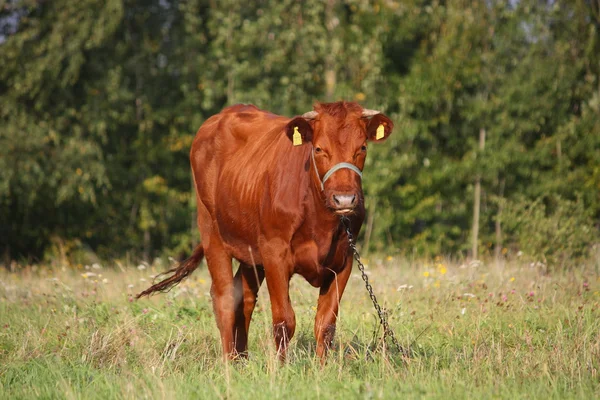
(220, 269)
(247, 281)
(222, 292)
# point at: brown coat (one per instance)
(261, 202)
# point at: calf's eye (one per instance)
(363, 148)
(318, 150)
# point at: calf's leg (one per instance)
(277, 259)
(330, 295)
(222, 293)
(247, 281)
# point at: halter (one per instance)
(333, 169)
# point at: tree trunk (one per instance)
(369, 229)
(498, 249)
(6, 256)
(230, 91)
(477, 201)
(330, 75)
(147, 245)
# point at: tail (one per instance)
(180, 272)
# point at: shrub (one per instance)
(556, 231)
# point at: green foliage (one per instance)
(99, 101)
(552, 230)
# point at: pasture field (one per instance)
(477, 331)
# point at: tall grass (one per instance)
(477, 331)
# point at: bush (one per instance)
(556, 231)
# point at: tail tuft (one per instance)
(180, 272)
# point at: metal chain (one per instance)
(387, 331)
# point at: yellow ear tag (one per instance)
(380, 132)
(296, 138)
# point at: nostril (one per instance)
(353, 200)
(335, 200)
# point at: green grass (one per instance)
(477, 332)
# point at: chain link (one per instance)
(387, 331)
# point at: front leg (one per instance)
(328, 307)
(278, 264)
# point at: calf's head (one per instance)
(339, 134)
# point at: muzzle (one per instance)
(336, 167)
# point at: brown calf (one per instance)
(270, 193)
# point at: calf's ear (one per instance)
(379, 127)
(299, 131)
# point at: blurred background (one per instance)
(495, 153)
